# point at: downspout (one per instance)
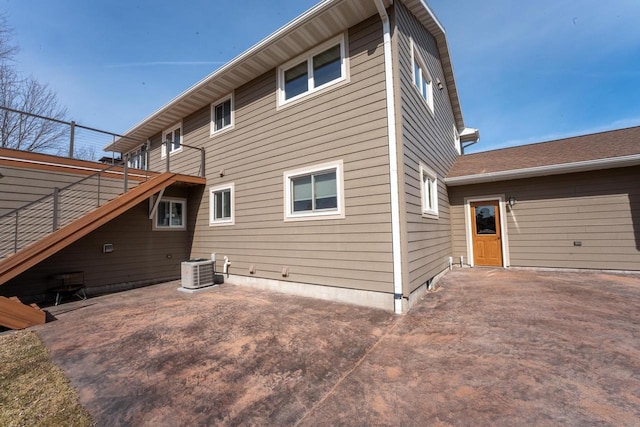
(393, 158)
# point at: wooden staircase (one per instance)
(58, 240)
(16, 315)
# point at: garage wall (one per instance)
(600, 209)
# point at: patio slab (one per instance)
(489, 347)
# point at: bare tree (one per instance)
(23, 131)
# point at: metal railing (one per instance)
(30, 223)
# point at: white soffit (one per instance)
(323, 21)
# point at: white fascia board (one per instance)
(584, 166)
(433, 16)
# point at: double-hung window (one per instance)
(174, 136)
(315, 192)
(429, 191)
(222, 115)
(221, 201)
(421, 78)
(170, 214)
(315, 70)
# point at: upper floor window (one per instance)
(421, 78)
(315, 70)
(138, 158)
(221, 205)
(222, 114)
(315, 192)
(174, 135)
(428, 191)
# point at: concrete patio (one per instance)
(489, 347)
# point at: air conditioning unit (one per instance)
(198, 273)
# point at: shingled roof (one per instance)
(616, 148)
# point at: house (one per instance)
(571, 203)
(325, 161)
(326, 149)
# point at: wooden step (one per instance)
(15, 315)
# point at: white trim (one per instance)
(154, 223)
(308, 57)
(503, 226)
(426, 211)
(583, 166)
(229, 97)
(163, 146)
(221, 222)
(338, 213)
(393, 158)
(416, 58)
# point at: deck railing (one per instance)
(30, 223)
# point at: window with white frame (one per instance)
(170, 214)
(315, 192)
(138, 158)
(315, 70)
(421, 78)
(221, 201)
(456, 140)
(173, 134)
(428, 191)
(222, 114)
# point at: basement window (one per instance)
(171, 214)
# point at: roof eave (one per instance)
(583, 166)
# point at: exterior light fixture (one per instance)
(512, 201)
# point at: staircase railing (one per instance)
(33, 221)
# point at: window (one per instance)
(313, 71)
(421, 78)
(315, 192)
(222, 114)
(170, 214)
(173, 134)
(221, 205)
(456, 140)
(428, 191)
(138, 158)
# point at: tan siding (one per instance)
(426, 138)
(345, 122)
(600, 209)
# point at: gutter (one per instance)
(587, 165)
(393, 158)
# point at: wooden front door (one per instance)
(486, 233)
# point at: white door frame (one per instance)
(503, 226)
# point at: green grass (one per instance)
(33, 391)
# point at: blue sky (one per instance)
(526, 71)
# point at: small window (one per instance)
(428, 191)
(314, 193)
(221, 205)
(174, 135)
(313, 71)
(421, 78)
(222, 115)
(171, 214)
(456, 140)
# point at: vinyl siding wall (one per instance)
(140, 255)
(426, 138)
(601, 209)
(345, 122)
